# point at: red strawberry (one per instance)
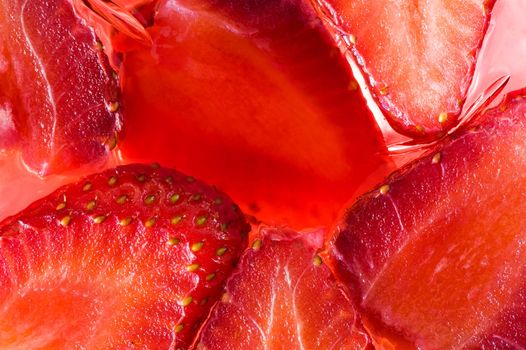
(417, 57)
(281, 296)
(437, 252)
(59, 97)
(130, 258)
(254, 98)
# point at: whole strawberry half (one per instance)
(59, 98)
(130, 258)
(436, 254)
(282, 296)
(417, 57)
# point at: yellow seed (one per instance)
(186, 301)
(112, 181)
(195, 197)
(197, 246)
(122, 199)
(353, 85)
(99, 219)
(384, 189)
(223, 227)
(179, 328)
(111, 143)
(317, 260)
(442, 117)
(192, 267)
(149, 199)
(150, 222)
(257, 244)
(98, 46)
(113, 107)
(174, 198)
(61, 206)
(225, 298)
(87, 187)
(210, 276)
(91, 205)
(126, 221)
(141, 177)
(200, 220)
(174, 241)
(176, 219)
(352, 38)
(218, 201)
(384, 90)
(169, 180)
(420, 129)
(221, 251)
(436, 158)
(65, 220)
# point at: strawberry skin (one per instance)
(417, 57)
(437, 252)
(59, 99)
(129, 258)
(282, 296)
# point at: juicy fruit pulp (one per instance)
(255, 99)
(453, 222)
(133, 257)
(418, 57)
(285, 298)
(59, 101)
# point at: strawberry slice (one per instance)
(437, 252)
(255, 98)
(133, 257)
(285, 298)
(417, 57)
(59, 97)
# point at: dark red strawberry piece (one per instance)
(417, 57)
(437, 252)
(281, 296)
(133, 257)
(62, 96)
(255, 98)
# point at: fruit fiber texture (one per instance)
(59, 99)
(437, 252)
(417, 57)
(255, 99)
(281, 296)
(131, 258)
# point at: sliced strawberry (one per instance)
(130, 258)
(437, 252)
(62, 100)
(282, 296)
(417, 57)
(255, 98)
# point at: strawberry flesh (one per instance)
(133, 257)
(437, 252)
(281, 296)
(256, 99)
(59, 101)
(417, 57)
